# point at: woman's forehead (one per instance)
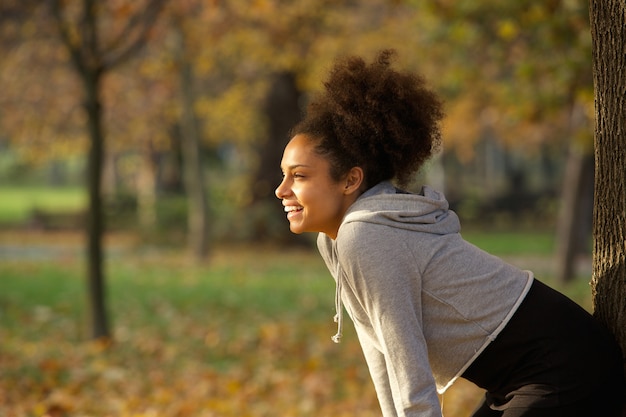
(300, 152)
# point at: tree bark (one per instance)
(95, 218)
(608, 30)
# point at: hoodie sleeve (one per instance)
(378, 370)
(383, 289)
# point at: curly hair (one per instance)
(371, 116)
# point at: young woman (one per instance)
(428, 307)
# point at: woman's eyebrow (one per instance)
(294, 166)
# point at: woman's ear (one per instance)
(354, 180)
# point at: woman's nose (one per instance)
(280, 191)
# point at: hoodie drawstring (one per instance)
(338, 308)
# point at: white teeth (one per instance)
(292, 208)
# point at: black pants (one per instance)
(552, 359)
(584, 409)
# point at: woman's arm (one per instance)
(383, 283)
(378, 371)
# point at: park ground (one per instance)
(246, 333)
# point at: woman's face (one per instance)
(313, 201)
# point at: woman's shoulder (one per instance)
(360, 238)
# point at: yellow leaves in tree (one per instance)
(461, 129)
(507, 29)
(38, 130)
(233, 116)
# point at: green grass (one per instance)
(237, 336)
(17, 203)
(151, 293)
(502, 243)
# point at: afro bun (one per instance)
(374, 117)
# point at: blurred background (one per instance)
(142, 139)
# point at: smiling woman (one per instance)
(313, 200)
(428, 306)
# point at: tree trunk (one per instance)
(574, 228)
(110, 175)
(146, 190)
(608, 30)
(198, 208)
(282, 110)
(81, 38)
(95, 219)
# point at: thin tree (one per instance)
(80, 32)
(282, 111)
(608, 30)
(198, 204)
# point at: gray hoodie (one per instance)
(424, 302)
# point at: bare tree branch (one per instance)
(90, 38)
(16, 10)
(63, 26)
(86, 50)
(117, 53)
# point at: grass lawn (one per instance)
(17, 203)
(504, 243)
(248, 334)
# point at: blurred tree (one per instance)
(154, 113)
(282, 110)
(81, 26)
(138, 120)
(289, 30)
(198, 213)
(31, 53)
(608, 30)
(576, 211)
(519, 72)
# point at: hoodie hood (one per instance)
(427, 211)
